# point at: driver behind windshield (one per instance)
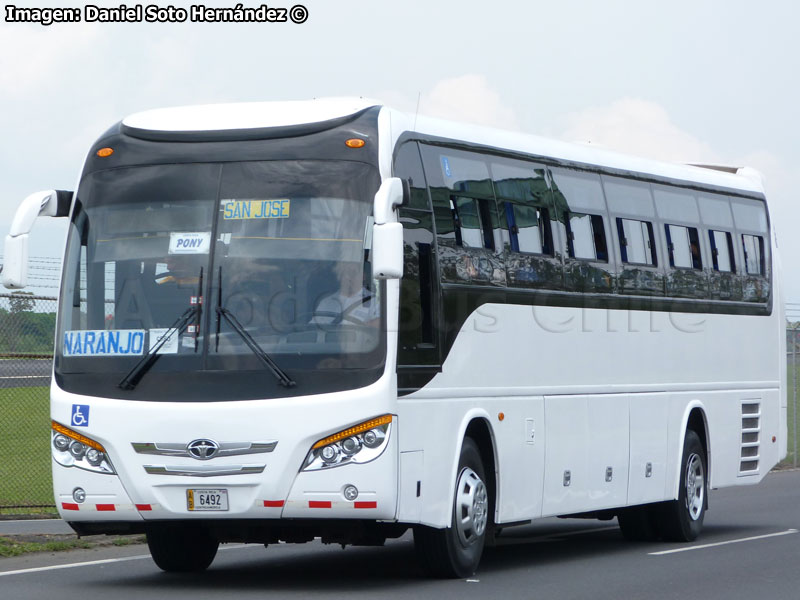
(352, 302)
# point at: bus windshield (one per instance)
(212, 266)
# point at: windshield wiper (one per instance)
(223, 312)
(134, 376)
(151, 356)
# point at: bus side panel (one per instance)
(587, 450)
(649, 438)
(435, 429)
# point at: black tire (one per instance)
(639, 523)
(681, 520)
(456, 551)
(181, 549)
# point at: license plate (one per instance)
(207, 499)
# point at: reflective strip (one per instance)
(70, 506)
(365, 505)
(142, 507)
(106, 507)
(319, 504)
(273, 503)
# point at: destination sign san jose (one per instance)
(154, 13)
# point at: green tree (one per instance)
(20, 303)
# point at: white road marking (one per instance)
(714, 545)
(25, 377)
(73, 565)
(30, 521)
(102, 562)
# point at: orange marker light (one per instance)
(360, 428)
(105, 152)
(501, 416)
(355, 143)
(76, 436)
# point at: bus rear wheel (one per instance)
(682, 520)
(181, 549)
(456, 551)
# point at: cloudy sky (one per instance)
(686, 81)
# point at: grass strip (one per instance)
(16, 545)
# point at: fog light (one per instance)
(350, 492)
(94, 457)
(61, 443)
(77, 449)
(79, 495)
(351, 445)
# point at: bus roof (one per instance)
(263, 115)
(245, 115)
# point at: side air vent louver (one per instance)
(751, 437)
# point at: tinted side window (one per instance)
(529, 228)
(581, 214)
(408, 166)
(683, 245)
(586, 237)
(749, 215)
(524, 198)
(626, 197)
(469, 237)
(675, 205)
(715, 210)
(750, 219)
(637, 242)
(722, 255)
(472, 218)
(753, 254)
(456, 170)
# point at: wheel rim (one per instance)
(695, 486)
(472, 507)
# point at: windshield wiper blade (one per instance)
(279, 373)
(135, 375)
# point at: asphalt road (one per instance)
(15, 372)
(749, 549)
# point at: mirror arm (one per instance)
(388, 197)
(51, 203)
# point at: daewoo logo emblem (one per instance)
(203, 449)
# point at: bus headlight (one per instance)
(359, 444)
(73, 449)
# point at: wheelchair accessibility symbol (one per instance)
(80, 415)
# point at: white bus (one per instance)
(329, 319)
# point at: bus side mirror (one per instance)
(15, 263)
(387, 233)
(50, 203)
(387, 251)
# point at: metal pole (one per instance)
(794, 393)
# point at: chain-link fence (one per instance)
(27, 325)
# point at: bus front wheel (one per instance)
(456, 551)
(181, 549)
